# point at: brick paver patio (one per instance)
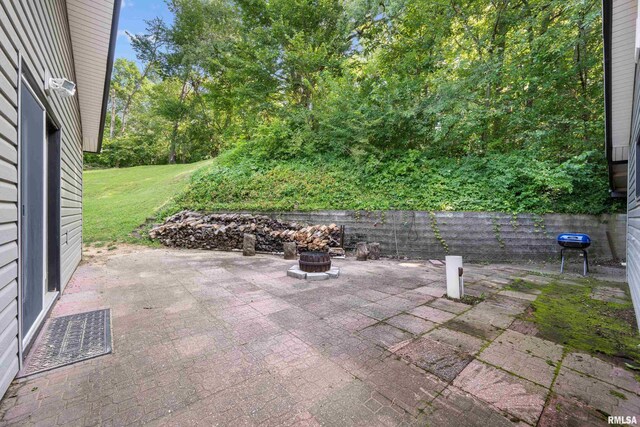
(212, 338)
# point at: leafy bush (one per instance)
(514, 182)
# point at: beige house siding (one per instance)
(623, 37)
(633, 208)
(37, 33)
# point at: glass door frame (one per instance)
(28, 336)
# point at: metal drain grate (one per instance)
(70, 339)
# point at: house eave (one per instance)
(619, 76)
(93, 28)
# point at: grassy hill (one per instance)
(511, 182)
(116, 201)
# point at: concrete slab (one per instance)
(448, 305)
(522, 295)
(465, 410)
(432, 314)
(610, 294)
(334, 273)
(602, 370)
(561, 411)
(377, 311)
(517, 397)
(213, 338)
(477, 328)
(296, 273)
(412, 324)
(459, 340)
(489, 314)
(442, 360)
(397, 303)
(525, 359)
(317, 276)
(534, 346)
(524, 327)
(384, 335)
(603, 397)
(406, 385)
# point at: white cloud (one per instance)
(123, 33)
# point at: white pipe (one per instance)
(455, 287)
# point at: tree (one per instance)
(289, 78)
(126, 81)
(148, 51)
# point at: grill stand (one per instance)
(585, 267)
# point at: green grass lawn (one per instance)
(116, 201)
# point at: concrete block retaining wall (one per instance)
(478, 236)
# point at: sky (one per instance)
(133, 14)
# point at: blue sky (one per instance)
(133, 15)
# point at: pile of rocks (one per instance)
(188, 229)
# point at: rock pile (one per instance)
(195, 230)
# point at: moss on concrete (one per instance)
(522, 286)
(568, 315)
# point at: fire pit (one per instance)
(315, 262)
(314, 266)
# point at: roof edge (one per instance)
(107, 79)
(607, 17)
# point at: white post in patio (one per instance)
(455, 287)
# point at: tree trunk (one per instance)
(124, 122)
(176, 123)
(583, 72)
(172, 147)
(496, 55)
(129, 100)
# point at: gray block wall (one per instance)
(478, 236)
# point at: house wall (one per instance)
(623, 39)
(633, 207)
(37, 30)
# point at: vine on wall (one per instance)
(436, 232)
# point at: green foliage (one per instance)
(474, 105)
(514, 182)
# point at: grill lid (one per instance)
(574, 240)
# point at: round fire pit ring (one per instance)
(314, 265)
(315, 262)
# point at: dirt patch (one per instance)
(468, 299)
(92, 254)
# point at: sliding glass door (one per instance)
(33, 209)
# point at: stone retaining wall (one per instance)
(478, 236)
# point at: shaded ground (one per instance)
(211, 338)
